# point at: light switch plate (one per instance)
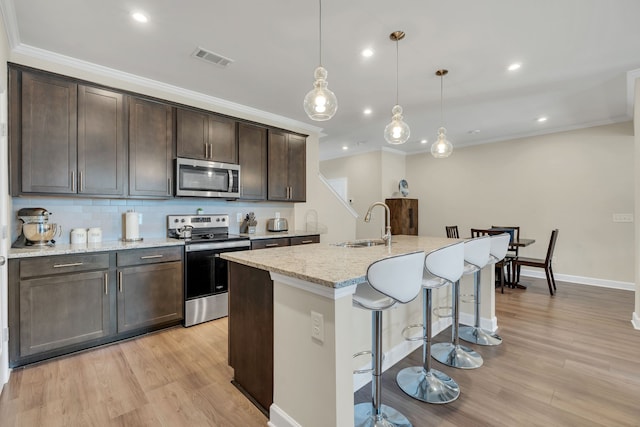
(623, 217)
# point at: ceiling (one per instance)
(577, 56)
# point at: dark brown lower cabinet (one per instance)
(251, 332)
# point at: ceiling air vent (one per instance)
(211, 57)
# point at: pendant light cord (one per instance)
(320, 30)
(441, 100)
(397, 73)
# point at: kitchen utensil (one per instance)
(39, 234)
(277, 224)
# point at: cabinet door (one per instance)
(222, 140)
(62, 310)
(297, 168)
(101, 141)
(149, 295)
(49, 134)
(278, 168)
(192, 134)
(252, 156)
(150, 149)
(270, 243)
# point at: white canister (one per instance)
(78, 236)
(94, 235)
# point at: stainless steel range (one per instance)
(205, 272)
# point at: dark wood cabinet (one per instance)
(150, 288)
(270, 243)
(287, 167)
(206, 136)
(47, 134)
(404, 216)
(101, 142)
(305, 240)
(64, 303)
(252, 157)
(251, 332)
(151, 149)
(72, 137)
(58, 302)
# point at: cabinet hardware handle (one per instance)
(106, 283)
(120, 281)
(80, 182)
(210, 151)
(151, 256)
(206, 150)
(270, 245)
(73, 264)
(306, 241)
(169, 192)
(73, 181)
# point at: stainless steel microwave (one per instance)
(200, 178)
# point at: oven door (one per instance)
(206, 272)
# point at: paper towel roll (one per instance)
(131, 226)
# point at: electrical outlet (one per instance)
(623, 217)
(239, 217)
(317, 326)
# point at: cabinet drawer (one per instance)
(148, 256)
(270, 243)
(60, 264)
(305, 240)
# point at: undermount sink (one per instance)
(361, 243)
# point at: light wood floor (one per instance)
(568, 360)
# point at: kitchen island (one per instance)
(313, 382)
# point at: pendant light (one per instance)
(442, 147)
(320, 104)
(397, 132)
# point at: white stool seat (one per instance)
(397, 279)
(443, 266)
(499, 244)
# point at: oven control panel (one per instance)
(197, 221)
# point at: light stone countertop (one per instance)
(109, 245)
(330, 265)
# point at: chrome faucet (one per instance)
(367, 218)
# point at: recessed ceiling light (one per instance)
(473, 131)
(542, 119)
(514, 66)
(367, 53)
(367, 111)
(423, 141)
(344, 147)
(140, 17)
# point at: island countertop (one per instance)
(330, 265)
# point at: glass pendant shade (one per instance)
(320, 103)
(442, 147)
(397, 132)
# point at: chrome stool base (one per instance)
(431, 387)
(389, 417)
(479, 336)
(457, 356)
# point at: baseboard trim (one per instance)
(635, 320)
(581, 280)
(279, 418)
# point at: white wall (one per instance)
(636, 121)
(573, 181)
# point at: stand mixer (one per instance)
(36, 230)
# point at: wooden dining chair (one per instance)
(452, 231)
(543, 263)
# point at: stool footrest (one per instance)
(363, 353)
(416, 338)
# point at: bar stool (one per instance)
(476, 256)
(443, 266)
(389, 281)
(475, 334)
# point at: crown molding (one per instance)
(254, 113)
(632, 77)
(10, 22)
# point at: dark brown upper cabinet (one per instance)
(206, 136)
(252, 156)
(287, 169)
(68, 138)
(150, 149)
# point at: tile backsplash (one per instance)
(107, 213)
